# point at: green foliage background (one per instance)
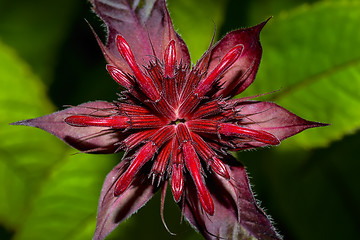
(309, 184)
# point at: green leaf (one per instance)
(312, 56)
(66, 205)
(22, 151)
(195, 21)
(46, 192)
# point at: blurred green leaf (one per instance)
(36, 29)
(312, 56)
(196, 22)
(45, 191)
(21, 150)
(65, 207)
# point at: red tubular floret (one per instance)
(146, 84)
(192, 163)
(227, 61)
(144, 155)
(219, 167)
(229, 129)
(170, 58)
(119, 76)
(118, 122)
(177, 182)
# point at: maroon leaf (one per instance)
(244, 70)
(92, 139)
(113, 210)
(145, 25)
(236, 215)
(270, 117)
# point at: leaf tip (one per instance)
(27, 122)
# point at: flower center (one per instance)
(177, 121)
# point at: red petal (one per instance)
(229, 129)
(207, 109)
(226, 62)
(169, 58)
(137, 138)
(182, 133)
(209, 156)
(162, 159)
(163, 135)
(117, 122)
(129, 109)
(177, 182)
(120, 77)
(202, 148)
(145, 121)
(92, 139)
(192, 163)
(219, 167)
(203, 125)
(144, 155)
(146, 84)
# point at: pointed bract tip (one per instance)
(27, 122)
(318, 124)
(260, 26)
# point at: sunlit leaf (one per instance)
(312, 56)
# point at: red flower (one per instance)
(176, 123)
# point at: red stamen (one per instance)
(144, 155)
(229, 129)
(170, 57)
(227, 61)
(116, 121)
(192, 163)
(146, 84)
(119, 76)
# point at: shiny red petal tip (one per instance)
(177, 182)
(170, 58)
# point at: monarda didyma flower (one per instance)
(176, 123)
